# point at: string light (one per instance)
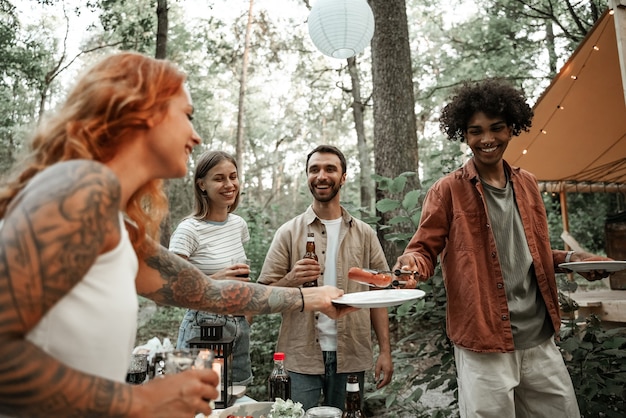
(573, 77)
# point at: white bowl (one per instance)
(254, 409)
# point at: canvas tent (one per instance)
(578, 138)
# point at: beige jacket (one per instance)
(358, 247)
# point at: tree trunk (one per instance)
(162, 25)
(239, 149)
(551, 47)
(358, 107)
(395, 136)
(161, 53)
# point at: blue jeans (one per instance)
(328, 389)
(235, 326)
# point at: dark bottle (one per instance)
(279, 382)
(310, 253)
(353, 399)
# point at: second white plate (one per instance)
(585, 266)
(380, 298)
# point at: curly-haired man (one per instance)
(487, 223)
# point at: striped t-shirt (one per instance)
(210, 245)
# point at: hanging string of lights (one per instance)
(574, 77)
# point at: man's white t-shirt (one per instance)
(327, 327)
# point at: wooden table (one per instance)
(608, 305)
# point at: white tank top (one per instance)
(93, 327)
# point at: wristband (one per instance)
(301, 297)
(568, 257)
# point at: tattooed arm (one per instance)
(170, 280)
(52, 233)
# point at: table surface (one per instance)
(609, 305)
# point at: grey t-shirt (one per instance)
(529, 320)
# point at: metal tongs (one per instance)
(394, 282)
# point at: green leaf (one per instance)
(386, 205)
(384, 183)
(398, 220)
(569, 345)
(398, 184)
(411, 199)
(415, 218)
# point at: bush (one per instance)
(596, 360)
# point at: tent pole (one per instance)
(564, 217)
(619, 14)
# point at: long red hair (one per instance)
(111, 102)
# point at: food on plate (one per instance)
(277, 409)
(371, 277)
(286, 409)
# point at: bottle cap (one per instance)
(279, 356)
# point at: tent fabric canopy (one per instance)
(579, 126)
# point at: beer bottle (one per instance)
(310, 253)
(353, 399)
(279, 382)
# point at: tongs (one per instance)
(394, 282)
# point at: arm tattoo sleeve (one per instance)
(186, 286)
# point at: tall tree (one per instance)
(358, 110)
(395, 128)
(240, 144)
(162, 27)
(161, 53)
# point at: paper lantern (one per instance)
(341, 28)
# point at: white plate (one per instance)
(585, 266)
(380, 298)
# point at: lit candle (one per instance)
(218, 365)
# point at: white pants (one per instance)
(531, 383)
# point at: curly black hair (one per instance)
(495, 97)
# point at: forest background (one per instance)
(264, 93)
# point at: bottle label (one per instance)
(352, 387)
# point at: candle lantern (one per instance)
(341, 28)
(211, 337)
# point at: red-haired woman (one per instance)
(79, 241)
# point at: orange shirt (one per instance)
(455, 226)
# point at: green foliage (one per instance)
(419, 327)
(596, 360)
(131, 24)
(423, 357)
(263, 337)
(261, 234)
(157, 321)
(407, 208)
(587, 230)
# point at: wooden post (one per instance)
(564, 217)
(619, 17)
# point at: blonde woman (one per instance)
(211, 238)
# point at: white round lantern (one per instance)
(341, 28)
